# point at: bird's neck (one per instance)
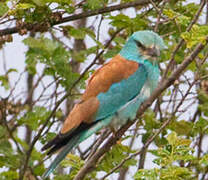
(131, 52)
(152, 69)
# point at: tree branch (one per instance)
(90, 164)
(30, 27)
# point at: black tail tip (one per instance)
(50, 143)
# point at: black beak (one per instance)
(154, 52)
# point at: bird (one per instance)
(113, 94)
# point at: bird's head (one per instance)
(143, 45)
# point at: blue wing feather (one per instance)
(121, 93)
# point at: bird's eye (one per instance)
(140, 45)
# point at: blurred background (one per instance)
(49, 48)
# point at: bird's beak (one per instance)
(150, 53)
(154, 52)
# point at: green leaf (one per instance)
(170, 13)
(115, 156)
(94, 4)
(175, 172)
(59, 1)
(3, 8)
(39, 170)
(146, 136)
(204, 160)
(121, 21)
(170, 173)
(119, 40)
(150, 120)
(25, 6)
(143, 174)
(6, 147)
(21, 142)
(79, 56)
(41, 44)
(74, 162)
(11, 70)
(172, 138)
(4, 81)
(35, 117)
(54, 56)
(112, 52)
(181, 127)
(39, 2)
(49, 136)
(36, 155)
(2, 132)
(200, 125)
(31, 64)
(197, 35)
(75, 32)
(9, 175)
(9, 159)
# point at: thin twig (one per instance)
(6, 14)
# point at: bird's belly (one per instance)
(146, 91)
(129, 110)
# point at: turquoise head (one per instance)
(143, 45)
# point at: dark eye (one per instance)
(140, 45)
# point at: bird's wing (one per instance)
(109, 88)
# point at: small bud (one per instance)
(176, 82)
(204, 86)
(23, 31)
(8, 38)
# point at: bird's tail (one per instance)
(73, 141)
(71, 144)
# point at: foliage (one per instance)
(114, 158)
(58, 62)
(175, 151)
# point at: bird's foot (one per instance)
(113, 130)
(114, 135)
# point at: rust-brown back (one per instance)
(114, 71)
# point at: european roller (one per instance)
(113, 94)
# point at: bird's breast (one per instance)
(146, 90)
(129, 110)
